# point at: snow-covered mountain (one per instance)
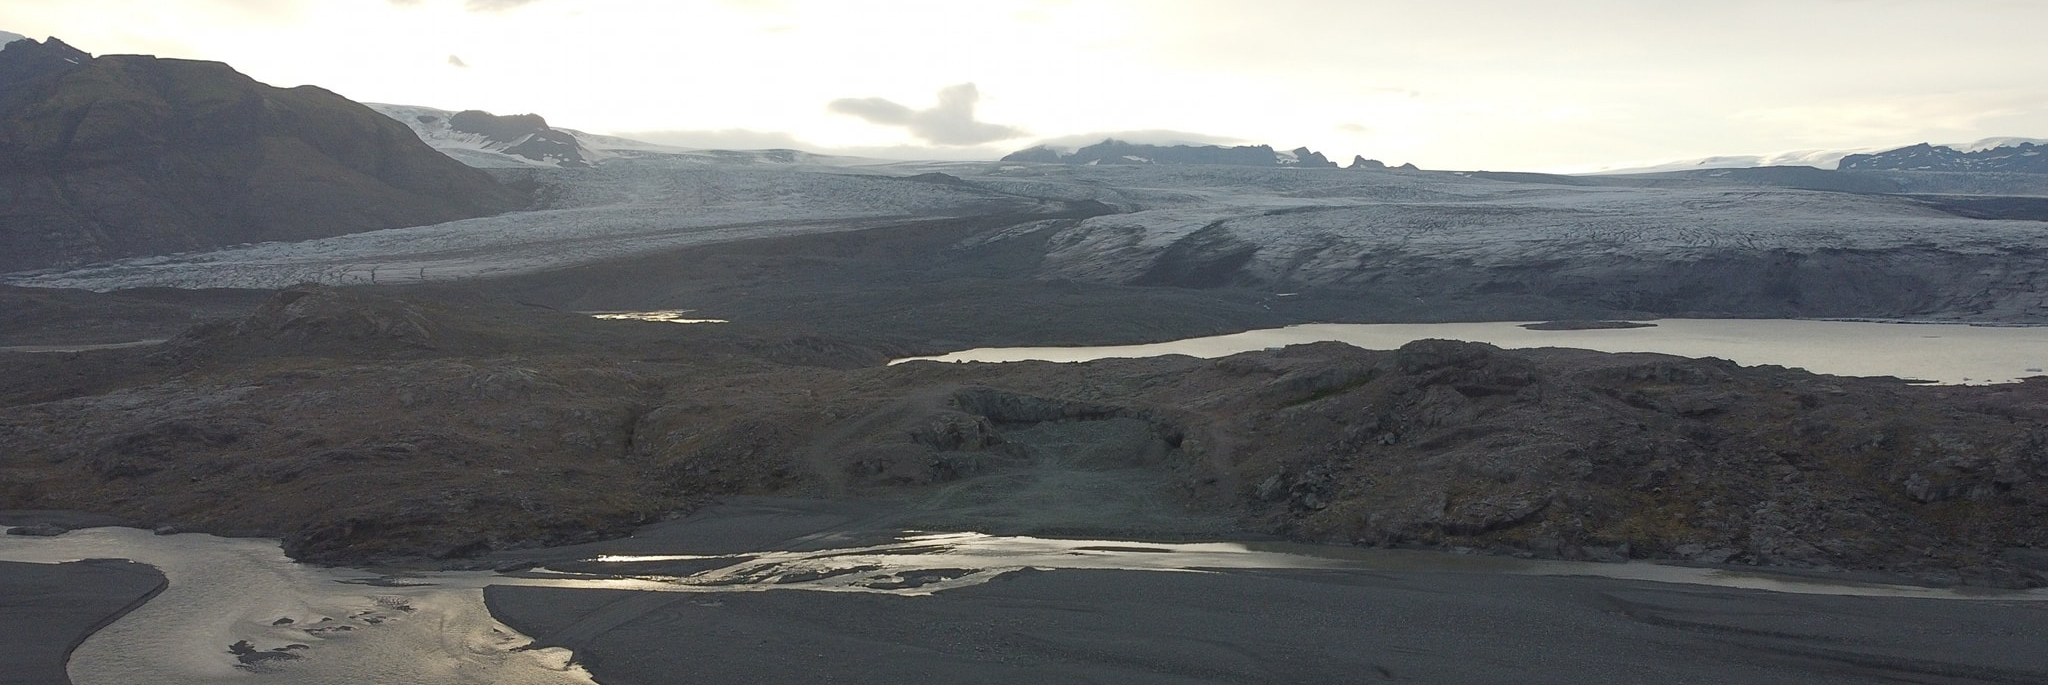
(481, 139)
(1823, 159)
(2014, 155)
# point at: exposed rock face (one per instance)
(23, 64)
(522, 135)
(128, 155)
(1112, 151)
(2025, 157)
(1360, 163)
(1310, 159)
(1583, 455)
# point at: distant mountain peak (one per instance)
(26, 61)
(2013, 155)
(1117, 152)
(505, 139)
(1820, 159)
(522, 135)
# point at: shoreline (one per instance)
(51, 609)
(1036, 623)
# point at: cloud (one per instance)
(721, 139)
(454, 61)
(1892, 118)
(474, 5)
(1408, 93)
(747, 139)
(950, 122)
(496, 5)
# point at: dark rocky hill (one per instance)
(2026, 158)
(127, 155)
(363, 427)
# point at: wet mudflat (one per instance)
(1285, 626)
(1123, 613)
(47, 609)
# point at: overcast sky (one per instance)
(1460, 84)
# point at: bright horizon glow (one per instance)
(1572, 85)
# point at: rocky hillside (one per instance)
(362, 427)
(2023, 157)
(127, 155)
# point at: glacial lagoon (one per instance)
(1942, 353)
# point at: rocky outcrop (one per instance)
(522, 135)
(361, 427)
(1309, 159)
(1360, 163)
(2023, 158)
(1581, 455)
(128, 155)
(313, 319)
(24, 64)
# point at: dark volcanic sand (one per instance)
(46, 610)
(1285, 627)
(930, 285)
(1258, 626)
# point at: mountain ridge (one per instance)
(134, 155)
(2024, 156)
(1112, 151)
(1817, 158)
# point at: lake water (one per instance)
(1944, 353)
(353, 626)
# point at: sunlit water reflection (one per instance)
(354, 626)
(659, 315)
(1945, 353)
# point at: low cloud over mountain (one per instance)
(950, 122)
